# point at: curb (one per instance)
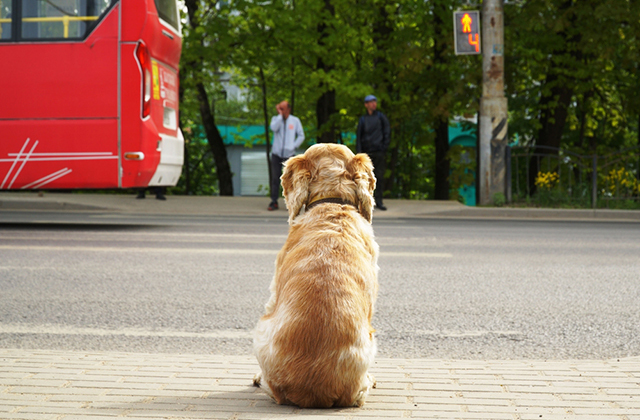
(256, 207)
(578, 215)
(6, 204)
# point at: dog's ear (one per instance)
(295, 184)
(361, 170)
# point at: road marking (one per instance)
(130, 332)
(465, 334)
(128, 236)
(230, 334)
(22, 268)
(417, 254)
(131, 269)
(206, 239)
(140, 250)
(241, 239)
(220, 251)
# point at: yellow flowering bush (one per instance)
(623, 183)
(547, 180)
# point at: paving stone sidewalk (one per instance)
(65, 385)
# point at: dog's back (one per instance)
(323, 342)
(315, 343)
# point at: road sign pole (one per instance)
(493, 105)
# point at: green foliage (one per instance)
(622, 183)
(499, 199)
(588, 46)
(202, 176)
(463, 169)
(403, 53)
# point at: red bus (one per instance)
(89, 94)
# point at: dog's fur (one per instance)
(315, 342)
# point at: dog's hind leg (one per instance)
(258, 381)
(368, 383)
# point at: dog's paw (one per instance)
(372, 380)
(257, 379)
(257, 382)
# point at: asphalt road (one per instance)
(459, 289)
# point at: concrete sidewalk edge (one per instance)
(257, 206)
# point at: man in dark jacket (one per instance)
(373, 137)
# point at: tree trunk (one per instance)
(443, 166)
(382, 38)
(187, 169)
(555, 106)
(393, 165)
(552, 122)
(382, 31)
(325, 108)
(223, 170)
(293, 85)
(638, 151)
(442, 124)
(554, 117)
(392, 182)
(263, 85)
(583, 107)
(326, 104)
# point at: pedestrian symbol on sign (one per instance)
(466, 23)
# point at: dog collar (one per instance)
(335, 200)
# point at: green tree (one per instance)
(570, 73)
(200, 63)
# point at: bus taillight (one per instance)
(142, 54)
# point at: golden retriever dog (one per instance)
(315, 342)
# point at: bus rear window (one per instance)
(60, 19)
(168, 11)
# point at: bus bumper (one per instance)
(171, 161)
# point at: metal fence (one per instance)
(553, 176)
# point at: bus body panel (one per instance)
(160, 140)
(60, 123)
(134, 16)
(136, 136)
(167, 44)
(58, 118)
(47, 80)
(163, 42)
(88, 158)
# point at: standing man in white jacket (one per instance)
(288, 135)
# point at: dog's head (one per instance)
(328, 171)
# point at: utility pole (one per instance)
(493, 105)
